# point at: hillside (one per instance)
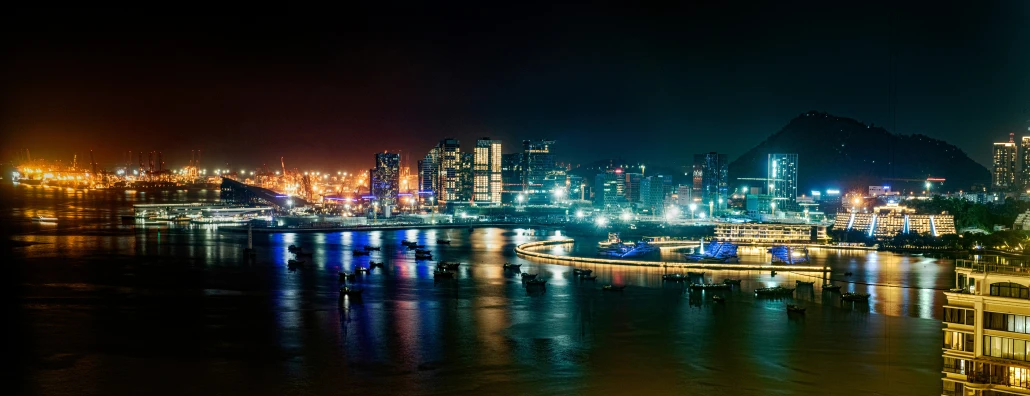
(842, 152)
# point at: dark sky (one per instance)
(329, 88)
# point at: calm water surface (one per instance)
(110, 307)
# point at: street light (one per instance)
(693, 207)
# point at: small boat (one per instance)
(293, 248)
(584, 272)
(588, 278)
(803, 283)
(673, 277)
(373, 264)
(613, 288)
(443, 241)
(349, 292)
(773, 291)
(449, 266)
(426, 256)
(369, 248)
(512, 266)
(408, 243)
(422, 251)
(360, 252)
(346, 277)
(772, 273)
(529, 276)
(697, 274)
(41, 219)
(831, 287)
(295, 263)
(362, 270)
(443, 274)
(709, 286)
(847, 274)
(535, 282)
(795, 309)
(718, 298)
(849, 296)
(731, 281)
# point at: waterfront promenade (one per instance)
(526, 250)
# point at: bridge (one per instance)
(235, 192)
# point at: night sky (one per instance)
(329, 88)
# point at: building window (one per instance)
(1006, 322)
(1005, 348)
(1008, 289)
(960, 316)
(952, 388)
(957, 366)
(958, 341)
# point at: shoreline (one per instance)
(278, 230)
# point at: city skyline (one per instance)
(399, 82)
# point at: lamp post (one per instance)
(693, 207)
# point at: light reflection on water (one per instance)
(410, 334)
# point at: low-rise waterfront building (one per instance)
(770, 233)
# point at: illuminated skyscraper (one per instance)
(1024, 154)
(538, 163)
(427, 173)
(487, 172)
(711, 178)
(1004, 165)
(448, 170)
(511, 177)
(384, 179)
(783, 179)
(631, 186)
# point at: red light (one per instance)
(618, 170)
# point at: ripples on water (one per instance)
(112, 308)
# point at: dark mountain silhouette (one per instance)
(842, 152)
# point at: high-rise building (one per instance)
(487, 172)
(606, 190)
(711, 178)
(511, 177)
(538, 163)
(466, 182)
(631, 186)
(783, 179)
(428, 177)
(1024, 154)
(653, 193)
(576, 190)
(447, 170)
(384, 178)
(1004, 165)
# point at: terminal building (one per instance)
(986, 346)
(770, 233)
(892, 219)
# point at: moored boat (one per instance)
(43, 219)
(425, 256)
(831, 287)
(360, 252)
(795, 308)
(346, 277)
(673, 277)
(803, 283)
(295, 263)
(709, 286)
(718, 298)
(613, 288)
(588, 278)
(373, 264)
(731, 281)
(361, 270)
(443, 241)
(529, 276)
(369, 248)
(536, 282)
(449, 266)
(849, 296)
(512, 266)
(774, 291)
(441, 273)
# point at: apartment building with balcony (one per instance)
(986, 346)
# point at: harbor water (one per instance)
(109, 306)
